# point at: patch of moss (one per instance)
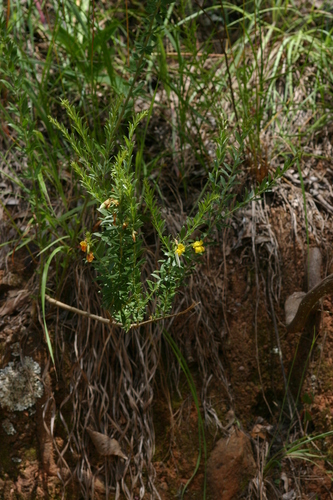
(30, 454)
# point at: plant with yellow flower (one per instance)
(83, 245)
(198, 246)
(118, 254)
(180, 249)
(86, 245)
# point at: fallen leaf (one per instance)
(14, 303)
(105, 445)
(262, 431)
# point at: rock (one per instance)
(230, 467)
(20, 384)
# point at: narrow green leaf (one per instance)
(42, 294)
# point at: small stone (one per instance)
(15, 349)
(8, 427)
(230, 467)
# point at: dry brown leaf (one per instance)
(10, 280)
(14, 303)
(262, 431)
(105, 445)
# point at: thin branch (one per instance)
(138, 68)
(211, 55)
(127, 30)
(62, 305)
(222, 40)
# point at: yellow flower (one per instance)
(198, 246)
(90, 257)
(180, 249)
(83, 245)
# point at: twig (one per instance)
(254, 225)
(138, 68)
(290, 399)
(109, 321)
(222, 39)
(8, 13)
(211, 55)
(127, 30)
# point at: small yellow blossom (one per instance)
(90, 257)
(198, 246)
(180, 249)
(83, 245)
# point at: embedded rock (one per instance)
(230, 467)
(20, 385)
